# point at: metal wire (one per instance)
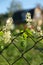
(22, 53)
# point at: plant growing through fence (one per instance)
(22, 47)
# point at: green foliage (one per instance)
(1, 33)
(23, 41)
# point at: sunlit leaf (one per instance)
(1, 33)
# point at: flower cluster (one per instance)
(7, 37)
(7, 30)
(29, 22)
(9, 24)
(28, 17)
(33, 25)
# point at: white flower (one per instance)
(9, 24)
(28, 17)
(17, 30)
(38, 28)
(28, 25)
(41, 33)
(7, 37)
(9, 20)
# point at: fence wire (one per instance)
(22, 53)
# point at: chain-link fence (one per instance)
(22, 53)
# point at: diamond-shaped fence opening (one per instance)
(33, 56)
(11, 53)
(16, 54)
(23, 45)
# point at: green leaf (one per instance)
(1, 33)
(25, 35)
(29, 31)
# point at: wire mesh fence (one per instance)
(22, 53)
